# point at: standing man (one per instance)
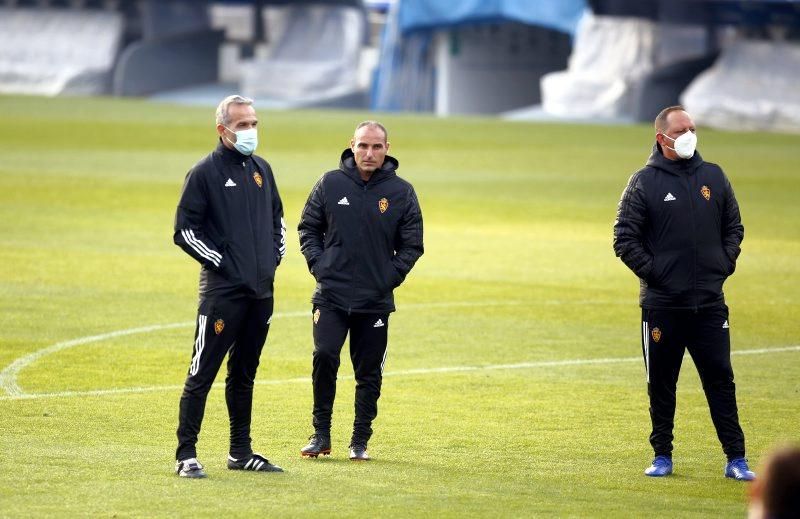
(361, 233)
(678, 229)
(230, 219)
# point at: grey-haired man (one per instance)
(229, 219)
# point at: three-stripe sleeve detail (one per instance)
(282, 249)
(201, 248)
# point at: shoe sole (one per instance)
(276, 469)
(192, 476)
(264, 471)
(326, 452)
(738, 479)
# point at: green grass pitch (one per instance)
(518, 280)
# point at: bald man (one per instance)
(678, 229)
(361, 233)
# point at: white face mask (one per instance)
(685, 144)
(246, 140)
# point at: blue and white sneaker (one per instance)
(189, 468)
(737, 469)
(662, 466)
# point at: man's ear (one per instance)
(220, 130)
(387, 146)
(352, 145)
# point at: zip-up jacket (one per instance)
(230, 219)
(360, 239)
(678, 229)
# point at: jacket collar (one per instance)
(347, 164)
(228, 155)
(675, 167)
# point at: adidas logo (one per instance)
(669, 197)
(725, 324)
(378, 324)
(230, 183)
(343, 201)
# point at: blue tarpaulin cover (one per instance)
(561, 15)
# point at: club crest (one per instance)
(706, 192)
(219, 325)
(258, 179)
(316, 316)
(383, 205)
(656, 334)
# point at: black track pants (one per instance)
(237, 327)
(368, 336)
(665, 336)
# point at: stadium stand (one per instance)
(624, 67)
(752, 86)
(609, 57)
(471, 56)
(58, 51)
(314, 54)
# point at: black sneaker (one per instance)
(254, 462)
(358, 452)
(317, 444)
(189, 468)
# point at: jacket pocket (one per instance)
(229, 270)
(730, 264)
(319, 266)
(727, 264)
(655, 272)
(389, 278)
(332, 266)
(395, 277)
(663, 271)
(714, 263)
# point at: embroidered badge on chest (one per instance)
(383, 205)
(219, 325)
(258, 179)
(706, 192)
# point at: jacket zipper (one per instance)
(360, 238)
(245, 187)
(694, 243)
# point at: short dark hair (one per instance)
(374, 124)
(661, 118)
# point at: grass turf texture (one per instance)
(518, 269)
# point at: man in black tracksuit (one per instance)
(361, 233)
(678, 229)
(230, 219)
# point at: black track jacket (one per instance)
(230, 219)
(360, 239)
(678, 228)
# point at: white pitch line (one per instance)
(401, 373)
(8, 377)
